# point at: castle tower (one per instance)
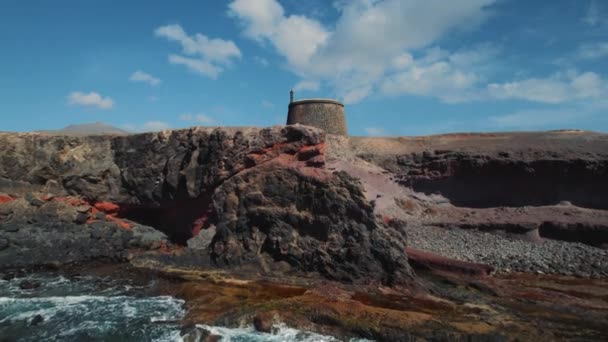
(326, 114)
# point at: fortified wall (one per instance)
(326, 114)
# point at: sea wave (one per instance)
(74, 310)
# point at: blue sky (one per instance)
(403, 67)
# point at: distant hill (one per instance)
(97, 128)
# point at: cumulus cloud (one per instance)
(593, 50)
(140, 76)
(441, 79)
(197, 118)
(201, 54)
(91, 99)
(368, 39)
(450, 77)
(196, 65)
(306, 85)
(559, 88)
(390, 47)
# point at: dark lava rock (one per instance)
(53, 243)
(193, 333)
(81, 218)
(9, 228)
(316, 223)
(37, 320)
(3, 243)
(266, 191)
(262, 322)
(29, 285)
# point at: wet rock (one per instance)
(29, 285)
(263, 322)
(194, 333)
(38, 319)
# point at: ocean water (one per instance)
(101, 309)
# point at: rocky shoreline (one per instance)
(314, 230)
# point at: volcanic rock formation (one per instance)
(257, 198)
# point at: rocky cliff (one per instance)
(529, 201)
(286, 224)
(255, 198)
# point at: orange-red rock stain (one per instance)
(5, 199)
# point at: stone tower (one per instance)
(326, 114)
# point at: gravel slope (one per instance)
(509, 254)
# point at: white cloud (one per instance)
(450, 77)
(205, 54)
(306, 85)
(197, 118)
(376, 131)
(267, 104)
(592, 17)
(197, 65)
(593, 51)
(559, 88)
(440, 79)
(389, 47)
(261, 60)
(214, 50)
(92, 99)
(140, 76)
(354, 95)
(260, 17)
(403, 61)
(368, 40)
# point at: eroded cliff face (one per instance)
(255, 198)
(513, 179)
(530, 202)
(503, 169)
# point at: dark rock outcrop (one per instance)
(264, 193)
(56, 233)
(313, 222)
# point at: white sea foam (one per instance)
(281, 333)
